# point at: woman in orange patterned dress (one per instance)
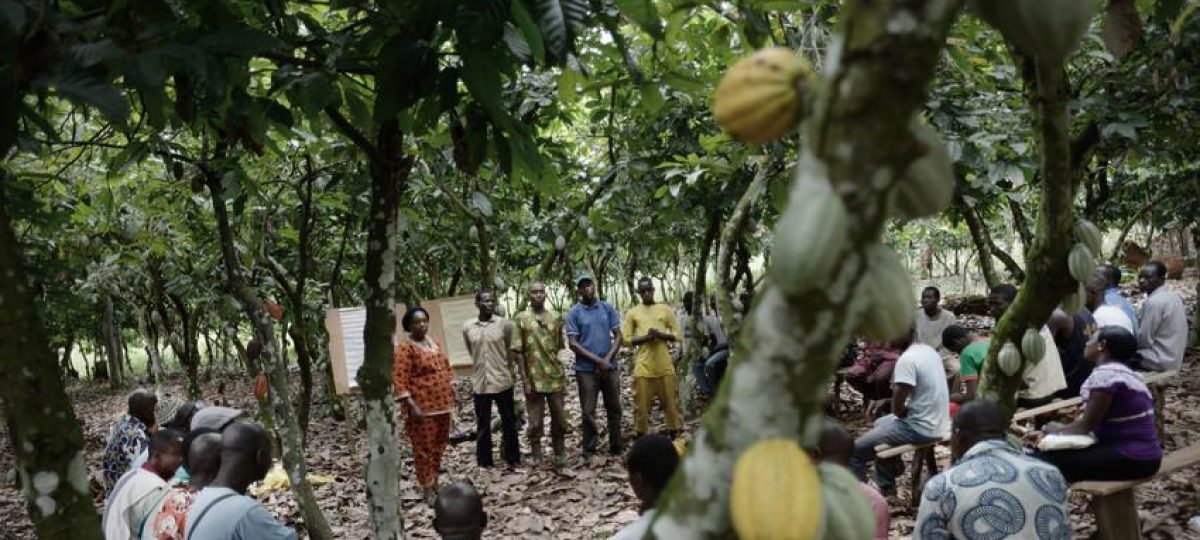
(422, 377)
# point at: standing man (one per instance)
(931, 321)
(1162, 328)
(222, 511)
(993, 491)
(537, 341)
(1112, 292)
(920, 409)
(129, 436)
(489, 339)
(1042, 379)
(594, 335)
(649, 327)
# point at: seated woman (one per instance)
(1118, 411)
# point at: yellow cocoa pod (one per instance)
(760, 98)
(1009, 359)
(809, 237)
(890, 291)
(776, 493)
(928, 184)
(1033, 347)
(848, 514)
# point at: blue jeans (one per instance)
(702, 383)
(888, 430)
(714, 367)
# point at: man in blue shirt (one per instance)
(594, 335)
(1113, 296)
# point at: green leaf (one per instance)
(83, 89)
(238, 41)
(529, 30)
(652, 98)
(559, 21)
(643, 14)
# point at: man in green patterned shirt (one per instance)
(536, 343)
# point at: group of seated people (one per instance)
(186, 479)
(1097, 354)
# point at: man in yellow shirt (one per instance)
(649, 327)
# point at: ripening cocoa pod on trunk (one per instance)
(927, 186)
(890, 291)
(1033, 346)
(760, 99)
(1009, 359)
(776, 493)
(809, 237)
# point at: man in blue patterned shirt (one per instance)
(129, 436)
(994, 491)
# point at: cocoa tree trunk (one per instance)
(1048, 280)
(112, 348)
(46, 440)
(731, 236)
(694, 347)
(790, 345)
(980, 238)
(287, 427)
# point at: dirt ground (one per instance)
(582, 501)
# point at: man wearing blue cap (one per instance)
(594, 335)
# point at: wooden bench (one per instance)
(923, 460)
(1153, 380)
(1114, 505)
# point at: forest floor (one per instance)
(584, 500)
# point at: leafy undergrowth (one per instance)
(584, 500)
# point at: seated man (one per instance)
(458, 512)
(920, 409)
(222, 511)
(651, 462)
(972, 350)
(836, 446)
(871, 372)
(1163, 327)
(137, 492)
(130, 436)
(993, 491)
(1041, 380)
(1112, 292)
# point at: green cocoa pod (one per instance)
(1074, 301)
(1033, 347)
(848, 514)
(1046, 29)
(1009, 359)
(890, 291)
(1087, 233)
(560, 243)
(1081, 263)
(928, 184)
(809, 237)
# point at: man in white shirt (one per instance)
(931, 320)
(1162, 329)
(920, 409)
(139, 491)
(651, 462)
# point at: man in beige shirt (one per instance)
(489, 340)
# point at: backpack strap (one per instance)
(191, 527)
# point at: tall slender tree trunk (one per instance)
(149, 331)
(47, 442)
(286, 425)
(980, 238)
(694, 346)
(388, 176)
(112, 346)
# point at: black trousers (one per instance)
(510, 448)
(591, 387)
(1098, 462)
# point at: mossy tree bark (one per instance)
(46, 439)
(876, 75)
(287, 427)
(1048, 280)
(979, 237)
(731, 237)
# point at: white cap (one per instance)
(1112, 316)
